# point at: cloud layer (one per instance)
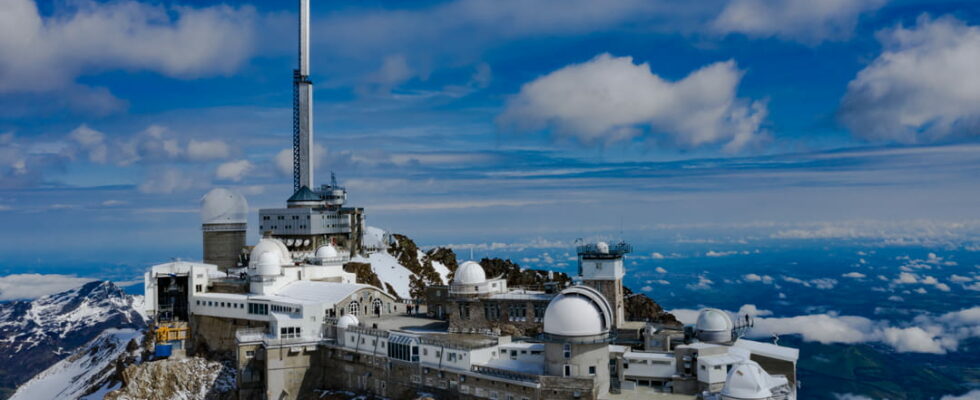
(30, 286)
(610, 99)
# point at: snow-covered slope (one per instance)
(389, 270)
(86, 374)
(34, 335)
(386, 264)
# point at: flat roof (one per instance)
(642, 355)
(523, 345)
(769, 350)
(515, 365)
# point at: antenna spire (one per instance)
(303, 106)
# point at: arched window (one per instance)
(377, 306)
(354, 308)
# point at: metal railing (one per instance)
(506, 374)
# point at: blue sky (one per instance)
(479, 121)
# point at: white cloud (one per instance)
(906, 278)
(971, 395)
(656, 256)
(752, 311)
(647, 288)
(819, 283)
(661, 270)
(802, 20)
(169, 180)
(610, 99)
(766, 279)
(234, 170)
(30, 286)
(703, 283)
(206, 150)
(712, 253)
(44, 54)
(960, 278)
(855, 275)
(922, 88)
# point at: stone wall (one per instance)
(530, 325)
(212, 334)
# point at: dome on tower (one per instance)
(747, 381)
(578, 311)
(223, 206)
(603, 247)
(270, 245)
(470, 273)
(347, 320)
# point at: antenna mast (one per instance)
(303, 106)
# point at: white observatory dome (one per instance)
(223, 206)
(573, 315)
(327, 251)
(603, 247)
(470, 273)
(347, 320)
(747, 381)
(268, 264)
(269, 245)
(714, 320)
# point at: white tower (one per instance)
(303, 106)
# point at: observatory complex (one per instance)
(297, 323)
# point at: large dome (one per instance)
(347, 320)
(573, 315)
(714, 320)
(223, 206)
(747, 381)
(470, 273)
(269, 245)
(326, 251)
(268, 264)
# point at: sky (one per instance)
(472, 121)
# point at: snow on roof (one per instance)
(319, 292)
(179, 267)
(523, 345)
(769, 350)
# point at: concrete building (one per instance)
(224, 217)
(601, 267)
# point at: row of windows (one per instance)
(222, 304)
(258, 308)
(289, 332)
(284, 309)
(515, 311)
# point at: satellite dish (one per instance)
(289, 242)
(306, 242)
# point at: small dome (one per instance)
(327, 251)
(714, 320)
(573, 315)
(347, 320)
(470, 273)
(270, 245)
(223, 206)
(603, 247)
(268, 264)
(747, 381)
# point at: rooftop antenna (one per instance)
(303, 106)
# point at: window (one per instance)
(517, 311)
(539, 311)
(464, 311)
(592, 370)
(513, 354)
(354, 308)
(567, 349)
(258, 308)
(198, 288)
(491, 311)
(568, 370)
(250, 353)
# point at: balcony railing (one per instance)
(506, 374)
